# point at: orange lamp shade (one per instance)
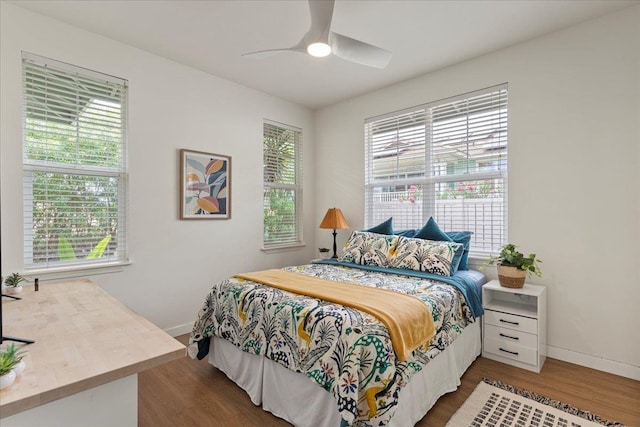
(334, 219)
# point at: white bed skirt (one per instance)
(303, 403)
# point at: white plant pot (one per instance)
(14, 289)
(19, 367)
(7, 379)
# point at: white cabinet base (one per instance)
(515, 325)
(112, 404)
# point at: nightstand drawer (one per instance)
(511, 336)
(511, 321)
(511, 351)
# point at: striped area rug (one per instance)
(493, 404)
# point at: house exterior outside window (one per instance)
(74, 166)
(446, 159)
(282, 199)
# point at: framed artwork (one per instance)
(205, 185)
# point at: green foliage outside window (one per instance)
(280, 182)
(278, 215)
(72, 213)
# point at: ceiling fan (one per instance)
(320, 41)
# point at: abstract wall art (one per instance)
(205, 185)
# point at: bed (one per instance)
(317, 363)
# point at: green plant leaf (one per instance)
(509, 256)
(98, 251)
(13, 280)
(65, 250)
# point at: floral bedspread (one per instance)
(345, 351)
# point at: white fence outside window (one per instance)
(449, 214)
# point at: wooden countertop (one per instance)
(84, 338)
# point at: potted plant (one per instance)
(13, 352)
(7, 375)
(513, 266)
(324, 252)
(13, 283)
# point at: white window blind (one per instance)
(282, 150)
(446, 159)
(74, 165)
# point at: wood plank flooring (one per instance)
(192, 393)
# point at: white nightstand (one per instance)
(515, 325)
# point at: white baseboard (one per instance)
(601, 364)
(180, 329)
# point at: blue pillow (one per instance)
(431, 231)
(382, 228)
(463, 237)
(411, 232)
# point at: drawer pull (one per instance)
(515, 353)
(509, 336)
(511, 323)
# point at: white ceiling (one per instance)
(423, 36)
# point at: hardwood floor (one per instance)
(192, 393)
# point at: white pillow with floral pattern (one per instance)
(368, 248)
(423, 255)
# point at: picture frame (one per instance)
(205, 185)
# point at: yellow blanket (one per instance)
(407, 318)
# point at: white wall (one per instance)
(574, 185)
(573, 190)
(172, 106)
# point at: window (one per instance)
(282, 153)
(446, 159)
(74, 166)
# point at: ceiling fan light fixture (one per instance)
(319, 49)
(320, 41)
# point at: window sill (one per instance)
(56, 273)
(283, 248)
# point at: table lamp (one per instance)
(335, 220)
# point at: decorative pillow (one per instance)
(368, 248)
(463, 237)
(431, 231)
(424, 255)
(406, 233)
(382, 228)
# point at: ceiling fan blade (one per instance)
(359, 52)
(270, 52)
(321, 12)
